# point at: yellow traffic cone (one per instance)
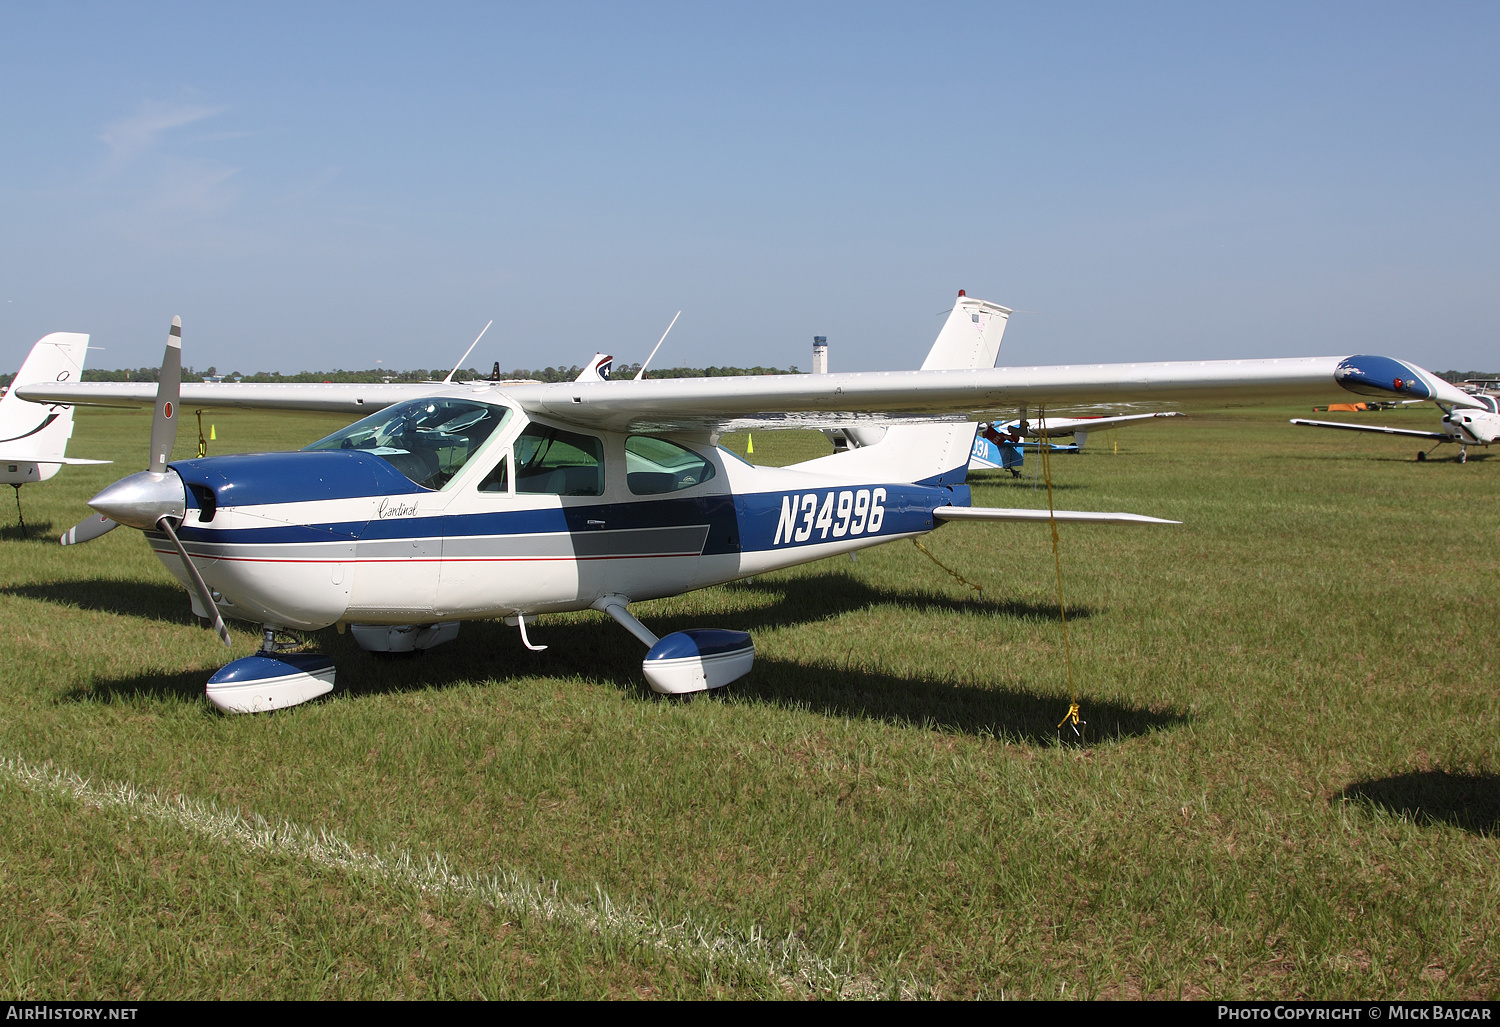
(213, 436)
(749, 444)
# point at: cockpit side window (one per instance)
(428, 440)
(654, 466)
(553, 462)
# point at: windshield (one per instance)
(428, 440)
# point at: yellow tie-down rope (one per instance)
(1044, 448)
(928, 553)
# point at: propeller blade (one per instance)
(205, 597)
(168, 389)
(88, 528)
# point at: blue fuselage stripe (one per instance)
(752, 522)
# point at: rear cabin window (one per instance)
(428, 440)
(654, 466)
(553, 462)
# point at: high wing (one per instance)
(957, 383)
(778, 401)
(337, 397)
(894, 397)
(1374, 428)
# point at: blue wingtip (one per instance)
(1370, 375)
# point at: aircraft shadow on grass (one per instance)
(598, 651)
(820, 596)
(157, 601)
(790, 602)
(1470, 802)
(1003, 480)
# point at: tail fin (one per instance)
(933, 454)
(970, 338)
(34, 431)
(598, 369)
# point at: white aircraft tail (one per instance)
(598, 369)
(34, 432)
(970, 339)
(934, 454)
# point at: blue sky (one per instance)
(312, 186)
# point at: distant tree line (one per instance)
(1459, 376)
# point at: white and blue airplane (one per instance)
(1475, 424)
(457, 501)
(34, 438)
(1002, 445)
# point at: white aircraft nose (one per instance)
(142, 499)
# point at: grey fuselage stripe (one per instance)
(633, 542)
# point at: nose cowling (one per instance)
(142, 499)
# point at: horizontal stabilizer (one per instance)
(1069, 425)
(1372, 427)
(997, 513)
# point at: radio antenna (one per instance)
(657, 346)
(467, 352)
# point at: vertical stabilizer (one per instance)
(970, 338)
(35, 431)
(932, 453)
(597, 371)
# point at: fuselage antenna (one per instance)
(467, 352)
(657, 346)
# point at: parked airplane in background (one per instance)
(488, 500)
(1003, 445)
(1474, 423)
(34, 438)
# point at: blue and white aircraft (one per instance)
(456, 501)
(1003, 445)
(33, 438)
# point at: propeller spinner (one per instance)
(153, 498)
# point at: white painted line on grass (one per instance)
(786, 962)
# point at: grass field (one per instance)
(1294, 788)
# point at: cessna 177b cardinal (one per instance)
(486, 500)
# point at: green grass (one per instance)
(1294, 788)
